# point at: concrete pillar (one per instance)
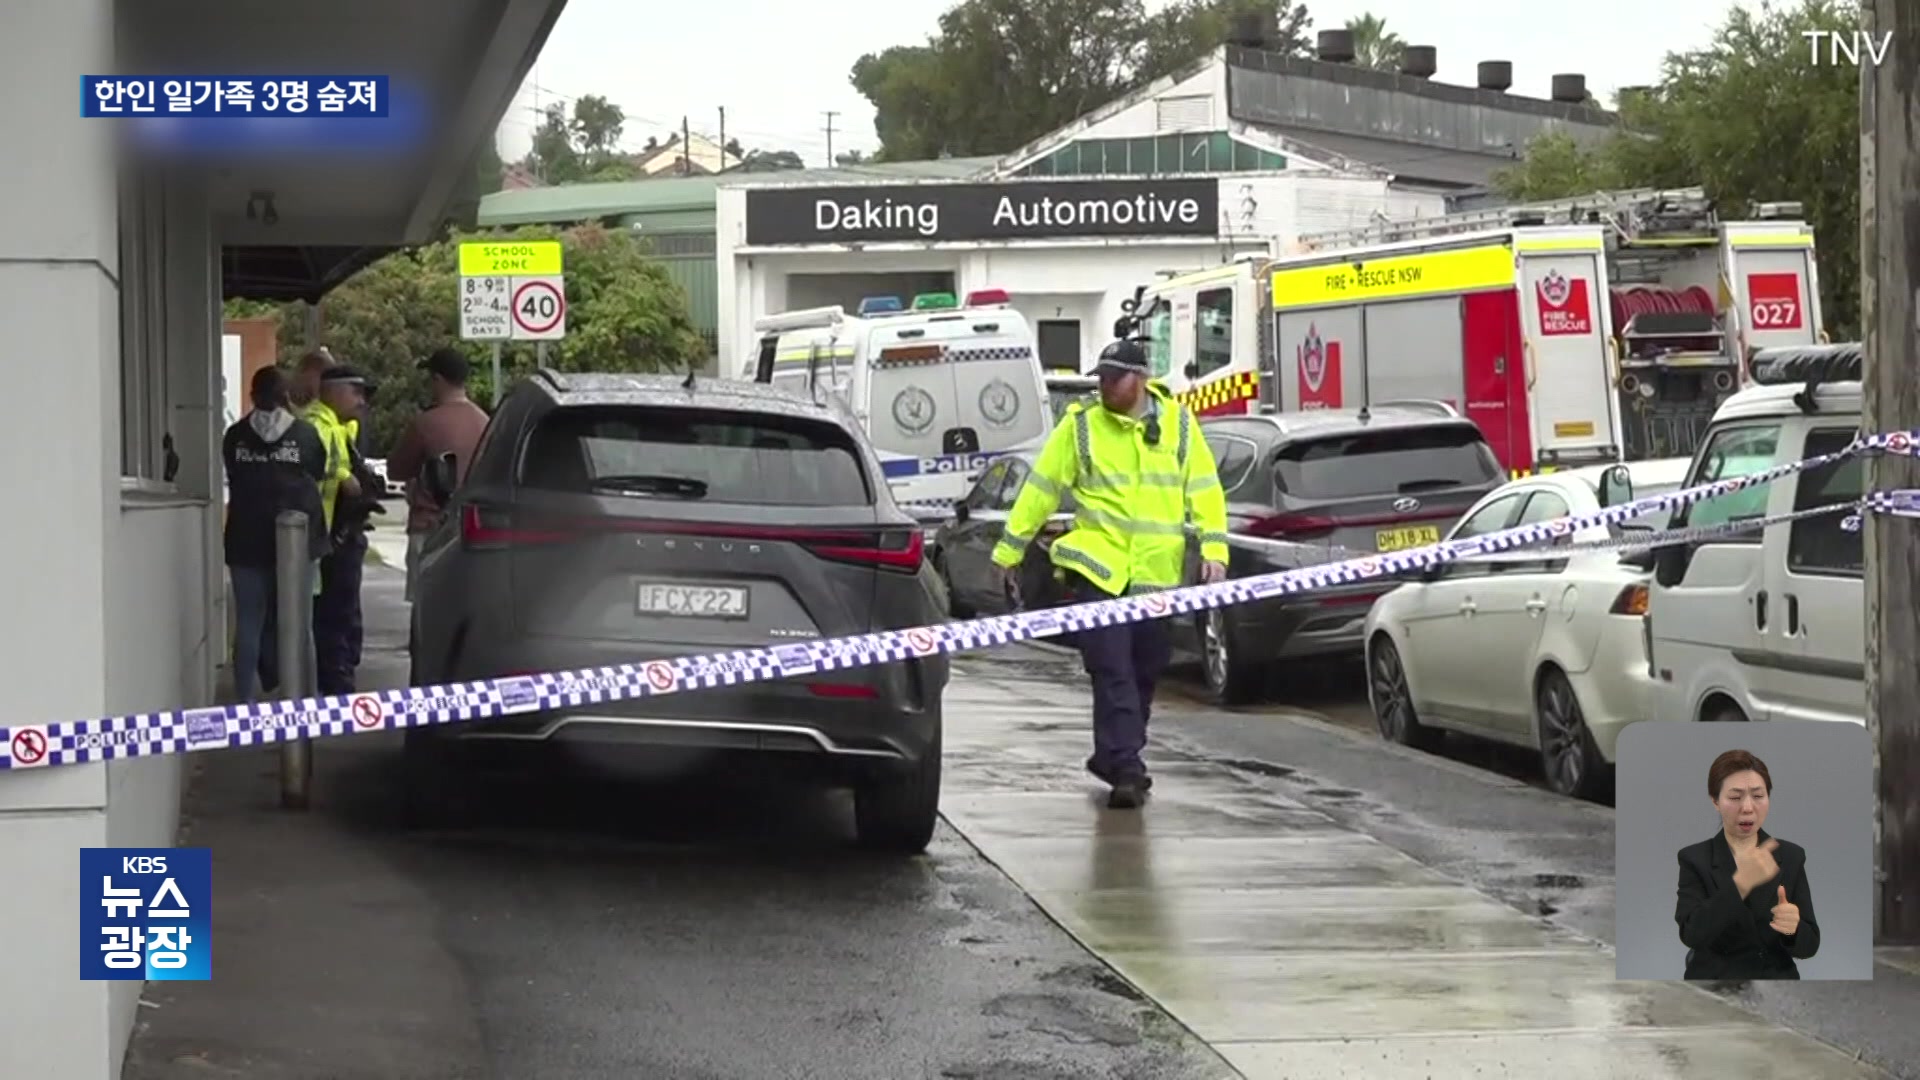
(59, 300)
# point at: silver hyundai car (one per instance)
(614, 519)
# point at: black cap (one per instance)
(1123, 357)
(342, 373)
(450, 364)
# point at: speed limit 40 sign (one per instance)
(512, 291)
(539, 308)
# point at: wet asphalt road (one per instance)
(709, 926)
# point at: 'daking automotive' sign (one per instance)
(1029, 210)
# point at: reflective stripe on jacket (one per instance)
(1132, 500)
(335, 435)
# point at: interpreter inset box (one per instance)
(1743, 851)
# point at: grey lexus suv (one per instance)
(615, 519)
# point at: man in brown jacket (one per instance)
(452, 424)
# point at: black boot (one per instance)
(1128, 794)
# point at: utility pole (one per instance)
(1889, 275)
(830, 115)
(686, 148)
(723, 140)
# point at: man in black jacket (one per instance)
(274, 461)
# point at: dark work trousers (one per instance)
(1125, 662)
(337, 629)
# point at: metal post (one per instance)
(293, 587)
(1889, 273)
(497, 388)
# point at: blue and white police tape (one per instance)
(112, 738)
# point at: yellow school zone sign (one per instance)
(1394, 277)
(517, 258)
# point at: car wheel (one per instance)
(1724, 712)
(1231, 679)
(956, 607)
(895, 813)
(430, 783)
(1392, 699)
(1568, 755)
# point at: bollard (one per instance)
(293, 590)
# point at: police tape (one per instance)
(115, 738)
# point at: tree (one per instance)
(1748, 119)
(848, 158)
(1374, 45)
(583, 144)
(624, 313)
(999, 73)
(1181, 33)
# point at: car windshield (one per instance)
(706, 455)
(1396, 461)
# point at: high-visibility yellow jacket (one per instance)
(1133, 500)
(336, 435)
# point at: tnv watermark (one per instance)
(1852, 47)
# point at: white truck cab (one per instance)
(1768, 625)
(941, 387)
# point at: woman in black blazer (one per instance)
(1745, 909)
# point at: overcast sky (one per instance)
(777, 67)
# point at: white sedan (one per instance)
(1549, 654)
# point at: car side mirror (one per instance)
(962, 512)
(1616, 486)
(1670, 564)
(441, 478)
(1192, 369)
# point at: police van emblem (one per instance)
(1555, 288)
(913, 410)
(1313, 359)
(999, 403)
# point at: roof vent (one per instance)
(1253, 31)
(1571, 89)
(1419, 61)
(1496, 75)
(1336, 46)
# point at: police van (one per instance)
(942, 387)
(1768, 624)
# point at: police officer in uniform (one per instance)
(1139, 472)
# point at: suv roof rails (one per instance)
(553, 378)
(1810, 365)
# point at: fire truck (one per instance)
(1602, 328)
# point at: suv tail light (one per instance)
(896, 549)
(1291, 526)
(856, 691)
(485, 527)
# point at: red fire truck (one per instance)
(1602, 328)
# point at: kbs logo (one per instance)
(1319, 371)
(1565, 307)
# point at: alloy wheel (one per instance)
(1562, 735)
(1387, 686)
(1214, 648)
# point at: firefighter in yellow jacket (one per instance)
(1139, 473)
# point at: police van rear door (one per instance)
(913, 414)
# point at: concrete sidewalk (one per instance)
(1302, 949)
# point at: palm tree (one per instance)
(1374, 46)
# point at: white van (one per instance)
(1768, 625)
(942, 388)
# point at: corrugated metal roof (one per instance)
(1409, 163)
(888, 172)
(587, 202)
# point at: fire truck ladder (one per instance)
(1630, 214)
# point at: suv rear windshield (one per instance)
(700, 454)
(1409, 459)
